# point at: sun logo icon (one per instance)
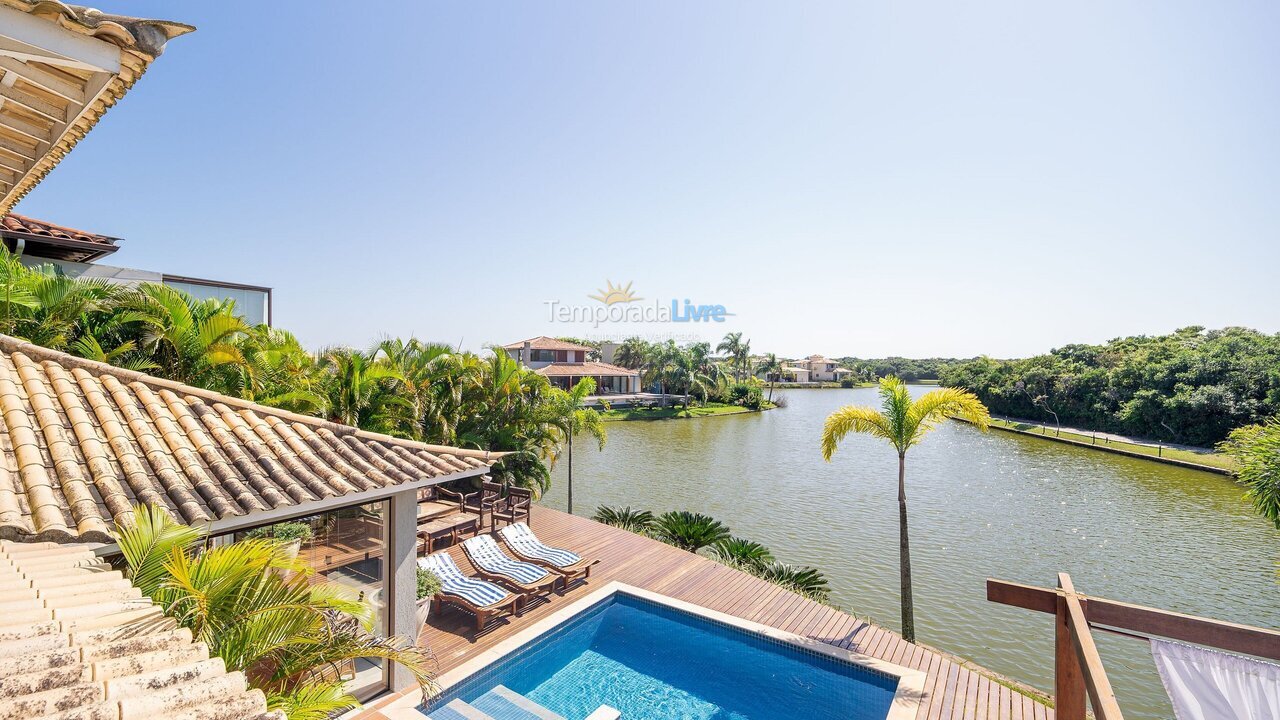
(612, 294)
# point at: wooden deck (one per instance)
(952, 692)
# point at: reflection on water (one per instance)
(980, 505)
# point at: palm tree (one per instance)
(903, 423)
(262, 611)
(689, 531)
(578, 418)
(632, 353)
(771, 366)
(657, 365)
(1256, 449)
(686, 370)
(738, 352)
(360, 390)
(637, 521)
(195, 342)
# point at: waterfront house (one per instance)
(77, 253)
(82, 443)
(565, 363)
(821, 369)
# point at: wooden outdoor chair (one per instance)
(526, 546)
(493, 564)
(488, 497)
(517, 506)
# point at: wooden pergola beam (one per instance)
(43, 79)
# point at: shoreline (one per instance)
(1006, 426)
(675, 413)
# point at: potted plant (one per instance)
(290, 533)
(428, 588)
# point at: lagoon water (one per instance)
(980, 505)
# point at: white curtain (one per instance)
(1206, 684)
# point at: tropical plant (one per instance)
(577, 418)
(688, 531)
(636, 521)
(284, 532)
(1256, 449)
(804, 580)
(902, 422)
(261, 611)
(361, 391)
(195, 342)
(741, 553)
(739, 352)
(429, 584)
(632, 354)
(771, 367)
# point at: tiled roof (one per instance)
(81, 442)
(79, 642)
(50, 106)
(583, 369)
(30, 226)
(542, 342)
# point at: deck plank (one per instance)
(950, 690)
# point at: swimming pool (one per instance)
(655, 658)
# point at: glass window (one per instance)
(544, 356)
(346, 546)
(251, 304)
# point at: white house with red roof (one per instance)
(564, 363)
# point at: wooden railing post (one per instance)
(1068, 679)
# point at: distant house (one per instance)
(822, 369)
(77, 253)
(565, 363)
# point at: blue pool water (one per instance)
(654, 662)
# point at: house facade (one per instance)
(822, 369)
(77, 253)
(565, 363)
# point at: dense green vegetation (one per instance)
(908, 369)
(407, 388)
(261, 610)
(695, 532)
(1256, 449)
(693, 372)
(1192, 386)
(902, 422)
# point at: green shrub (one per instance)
(848, 382)
(285, 531)
(428, 584)
(689, 531)
(637, 521)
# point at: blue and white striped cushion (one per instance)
(453, 582)
(485, 553)
(520, 537)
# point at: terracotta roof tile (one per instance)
(542, 342)
(82, 442)
(583, 369)
(30, 226)
(77, 639)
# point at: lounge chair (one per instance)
(479, 597)
(493, 564)
(526, 546)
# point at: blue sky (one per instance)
(847, 178)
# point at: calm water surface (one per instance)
(981, 505)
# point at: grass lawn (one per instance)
(669, 413)
(1212, 459)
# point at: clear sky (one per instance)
(863, 178)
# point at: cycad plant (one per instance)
(741, 553)
(262, 612)
(801, 579)
(636, 521)
(902, 422)
(689, 531)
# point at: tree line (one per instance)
(407, 388)
(1192, 386)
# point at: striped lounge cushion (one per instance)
(486, 554)
(453, 582)
(520, 537)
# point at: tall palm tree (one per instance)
(737, 350)
(657, 365)
(262, 611)
(360, 390)
(579, 418)
(902, 422)
(686, 370)
(771, 366)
